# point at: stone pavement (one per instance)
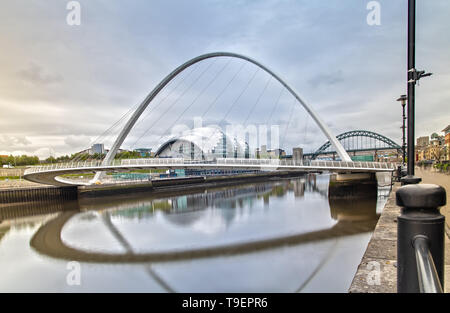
(431, 176)
(381, 253)
(382, 249)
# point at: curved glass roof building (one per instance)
(204, 143)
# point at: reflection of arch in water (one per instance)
(322, 263)
(47, 240)
(127, 246)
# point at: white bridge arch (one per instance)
(135, 116)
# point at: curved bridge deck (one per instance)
(48, 174)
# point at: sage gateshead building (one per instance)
(205, 144)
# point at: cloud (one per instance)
(77, 141)
(327, 79)
(35, 74)
(61, 86)
(13, 142)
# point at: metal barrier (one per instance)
(429, 281)
(420, 239)
(220, 161)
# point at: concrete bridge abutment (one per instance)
(352, 185)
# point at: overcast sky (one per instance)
(62, 86)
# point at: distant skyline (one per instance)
(62, 86)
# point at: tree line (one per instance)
(20, 160)
(34, 160)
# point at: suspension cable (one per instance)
(167, 96)
(269, 118)
(257, 101)
(239, 96)
(225, 88)
(289, 122)
(198, 96)
(306, 128)
(107, 133)
(103, 135)
(179, 97)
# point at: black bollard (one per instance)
(420, 229)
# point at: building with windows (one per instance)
(423, 141)
(446, 132)
(204, 143)
(97, 148)
(434, 148)
(144, 152)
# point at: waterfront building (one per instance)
(144, 152)
(97, 148)
(434, 148)
(446, 132)
(204, 143)
(264, 153)
(423, 141)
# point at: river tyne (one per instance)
(276, 236)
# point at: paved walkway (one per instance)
(434, 177)
(18, 183)
(382, 248)
(381, 254)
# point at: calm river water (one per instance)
(277, 236)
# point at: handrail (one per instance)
(219, 161)
(426, 270)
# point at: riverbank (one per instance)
(381, 252)
(18, 183)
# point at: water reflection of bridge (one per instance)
(350, 220)
(345, 212)
(203, 198)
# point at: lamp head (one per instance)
(403, 99)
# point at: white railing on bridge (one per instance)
(321, 164)
(156, 161)
(240, 161)
(221, 161)
(363, 165)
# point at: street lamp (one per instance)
(413, 77)
(403, 99)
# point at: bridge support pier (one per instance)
(352, 185)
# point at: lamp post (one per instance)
(402, 99)
(413, 76)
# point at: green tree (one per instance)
(50, 159)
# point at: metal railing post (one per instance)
(429, 281)
(420, 238)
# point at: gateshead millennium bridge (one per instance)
(49, 174)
